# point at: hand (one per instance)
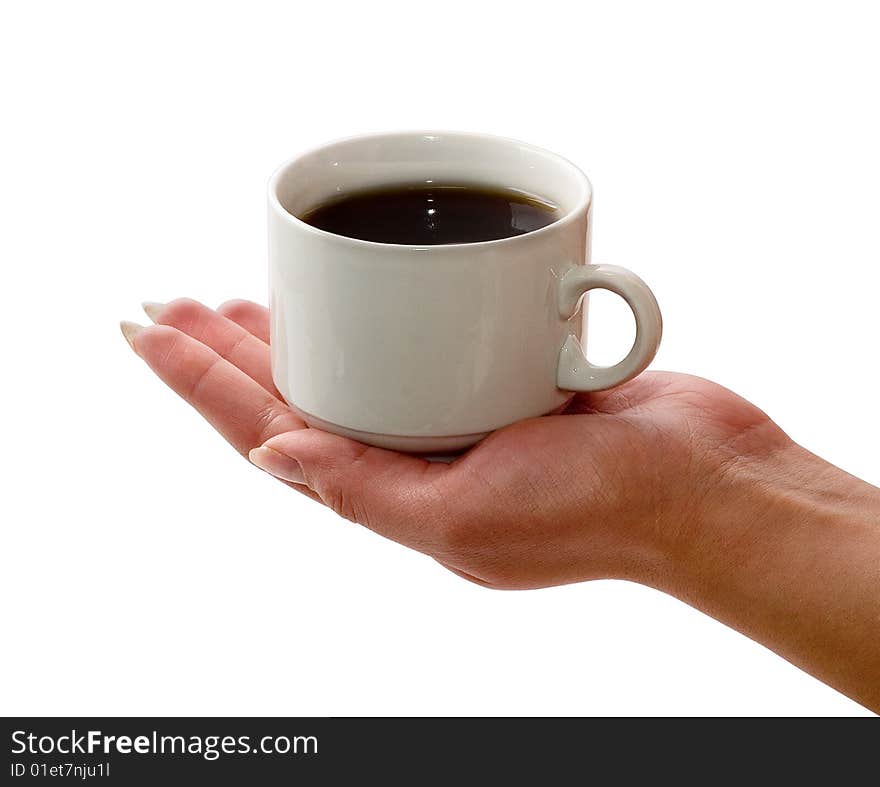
(610, 488)
(669, 480)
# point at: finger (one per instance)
(238, 407)
(397, 495)
(228, 339)
(249, 315)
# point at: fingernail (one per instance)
(129, 331)
(277, 464)
(152, 308)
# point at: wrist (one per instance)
(758, 500)
(755, 510)
(788, 552)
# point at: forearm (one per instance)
(789, 554)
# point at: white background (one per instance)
(146, 569)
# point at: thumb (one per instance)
(395, 494)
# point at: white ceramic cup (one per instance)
(430, 348)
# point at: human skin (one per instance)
(670, 480)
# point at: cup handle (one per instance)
(574, 371)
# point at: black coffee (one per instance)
(428, 215)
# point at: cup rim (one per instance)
(582, 205)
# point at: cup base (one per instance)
(436, 447)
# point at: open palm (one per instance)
(610, 488)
